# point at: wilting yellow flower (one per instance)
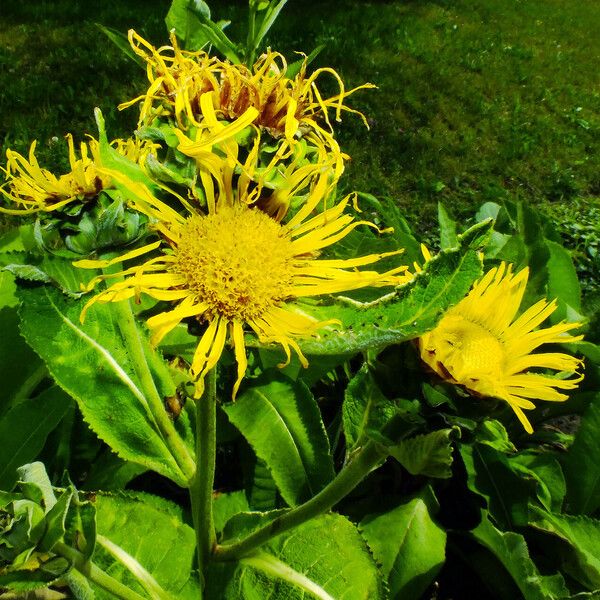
(236, 267)
(35, 189)
(484, 346)
(272, 186)
(179, 78)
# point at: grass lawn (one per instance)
(478, 99)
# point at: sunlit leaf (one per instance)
(282, 422)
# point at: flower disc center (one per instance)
(237, 261)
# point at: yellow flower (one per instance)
(288, 175)
(285, 106)
(484, 346)
(35, 189)
(236, 267)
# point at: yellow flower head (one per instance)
(179, 78)
(236, 267)
(484, 346)
(35, 189)
(289, 174)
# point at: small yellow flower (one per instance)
(285, 107)
(483, 345)
(34, 189)
(236, 267)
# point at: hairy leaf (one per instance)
(409, 546)
(282, 422)
(512, 552)
(325, 558)
(406, 313)
(151, 531)
(91, 363)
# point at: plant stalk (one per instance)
(367, 458)
(95, 574)
(201, 486)
(133, 341)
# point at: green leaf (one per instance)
(583, 536)
(545, 469)
(121, 41)
(507, 491)
(227, 505)
(563, 284)
(326, 553)
(35, 484)
(24, 429)
(271, 14)
(492, 433)
(581, 464)
(429, 454)
(282, 422)
(111, 159)
(409, 546)
(511, 550)
(365, 409)
(23, 372)
(7, 290)
(28, 273)
(152, 532)
(409, 311)
(294, 68)
(212, 31)
(188, 28)
(55, 521)
(448, 237)
(90, 362)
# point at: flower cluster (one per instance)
(235, 176)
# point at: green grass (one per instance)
(478, 99)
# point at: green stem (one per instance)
(201, 486)
(29, 385)
(135, 348)
(95, 574)
(346, 480)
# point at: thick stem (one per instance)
(346, 480)
(201, 487)
(95, 574)
(132, 339)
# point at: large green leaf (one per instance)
(409, 546)
(563, 284)
(583, 536)
(90, 361)
(406, 313)
(512, 552)
(153, 534)
(325, 558)
(507, 491)
(282, 422)
(581, 465)
(23, 431)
